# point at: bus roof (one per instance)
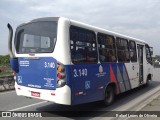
(86, 26)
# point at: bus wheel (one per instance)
(147, 82)
(109, 96)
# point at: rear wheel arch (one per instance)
(109, 94)
(149, 78)
(115, 87)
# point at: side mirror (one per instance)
(151, 50)
(10, 41)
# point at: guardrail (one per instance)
(7, 83)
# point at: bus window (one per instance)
(32, 43)
(122, 50)
(133, 53)
(148, 54)
(106, 46)
(38, 37)
(82, 45)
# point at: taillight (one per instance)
(61, 77)
(60, 68)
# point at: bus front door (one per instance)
(140, 60)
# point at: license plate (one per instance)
(35, 94)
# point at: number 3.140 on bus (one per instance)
(69, 62)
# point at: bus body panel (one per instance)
(37, 72)
(62, 50)
(90, 81)
(133, 70)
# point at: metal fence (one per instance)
(7, 83)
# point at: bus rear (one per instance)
(39, 74)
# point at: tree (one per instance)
(4, 60)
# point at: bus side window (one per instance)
(111, 55)
(83, 45)
(106, 46)
(148, 54)
(133, 53)
(122, 50)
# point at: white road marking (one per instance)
(27, 106)
(7, 92)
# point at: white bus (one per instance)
(69, 62)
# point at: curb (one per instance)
(147, 101)
(137, 105)
(142, 104)
(143, 99)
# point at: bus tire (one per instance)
(109, 96)
(147, 82)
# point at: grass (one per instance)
(5, 74)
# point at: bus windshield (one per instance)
(36, 37)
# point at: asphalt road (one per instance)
(9, 101)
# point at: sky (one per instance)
(135, 18)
